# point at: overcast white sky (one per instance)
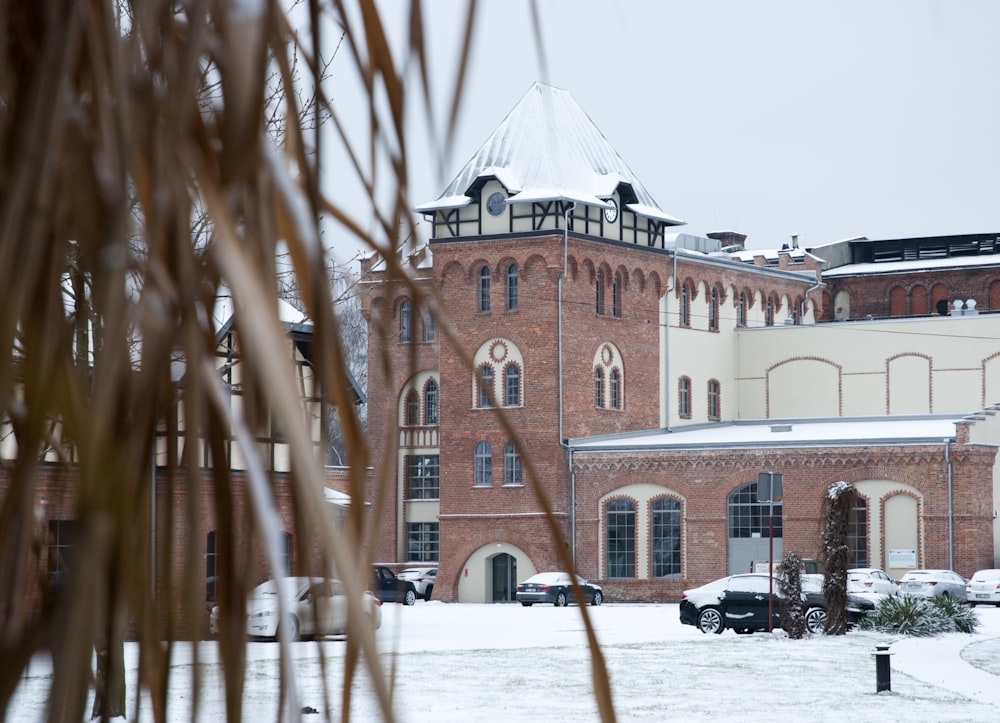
(824, 119)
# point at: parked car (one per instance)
(871, 582)
(983, 587)
(741, 602)
(555, 588)
(422, 579)
(311, 606)
(391, 588)
(933, 583)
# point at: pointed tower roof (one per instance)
(547, 149)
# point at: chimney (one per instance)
(728, 240)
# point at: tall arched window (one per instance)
(685, 311)
(512, 386)
(714, 407)
(599, 388)
(512, 287)
(616, 394)
(599, 292)
(769, 313)
(857, 533)
(211, 567)
(411, 417)
(431, 403)
(429, 331)
(404, 320)
(616, 296)
(485, 386)
(484, 465)
(713, 309)
(484, 290)
(620, 532)
(665, 537)
(741, 310)
(684, 397)
(511, 465)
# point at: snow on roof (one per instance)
(891, 267)
(834, 432)
(547, 148)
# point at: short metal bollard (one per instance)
(883, 676)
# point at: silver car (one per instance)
(984, 587)
(932, 583)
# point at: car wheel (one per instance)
(410, 597)
(427, 595)
(815, 620)
(560, 600)
(292, 628)
(710, 621)
(597, 599)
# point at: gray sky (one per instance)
(824, 119)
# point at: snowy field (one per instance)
(507, 663)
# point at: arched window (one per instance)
(511, 465)
(404, 320)
(484, 290)
(685, 311)
(665, 537)
(211, 567)
(599, 292)
(748, 517)
(620, 531)
(713, 309)
(769, 313)
(598, 388)
(741, 310)
(857, 533)
(616, 296)
(684, 397)
(429, 330)
(512, 386)
(615, 382)
(485, 386)
(713, 400)
(512, 287)
(484, 465)
(431, 403)
(411, 417)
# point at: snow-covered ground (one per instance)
(506, 663)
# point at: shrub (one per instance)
(921, 617)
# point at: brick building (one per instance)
(648, 376)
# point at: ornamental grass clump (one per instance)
(921, 617)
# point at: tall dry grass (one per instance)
(153, 156)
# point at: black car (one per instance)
(555, 588)
(740, 602)
(389, 588)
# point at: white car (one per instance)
(984, 587)
(933, 583)
(869, 581)
(422, 579)
(311, 606)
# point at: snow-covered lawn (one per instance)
(506, 663)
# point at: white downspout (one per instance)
(665, 325)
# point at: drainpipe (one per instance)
(562, 441)
(802, 306)
(666, 344)
(951, 511)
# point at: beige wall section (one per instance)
(991, 381)
(909, 382)
(475, 580)
(872, 355)
(804, 388)
(900, 530)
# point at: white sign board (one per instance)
(902, 558)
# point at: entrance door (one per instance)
(504, 569)
(750, 525)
